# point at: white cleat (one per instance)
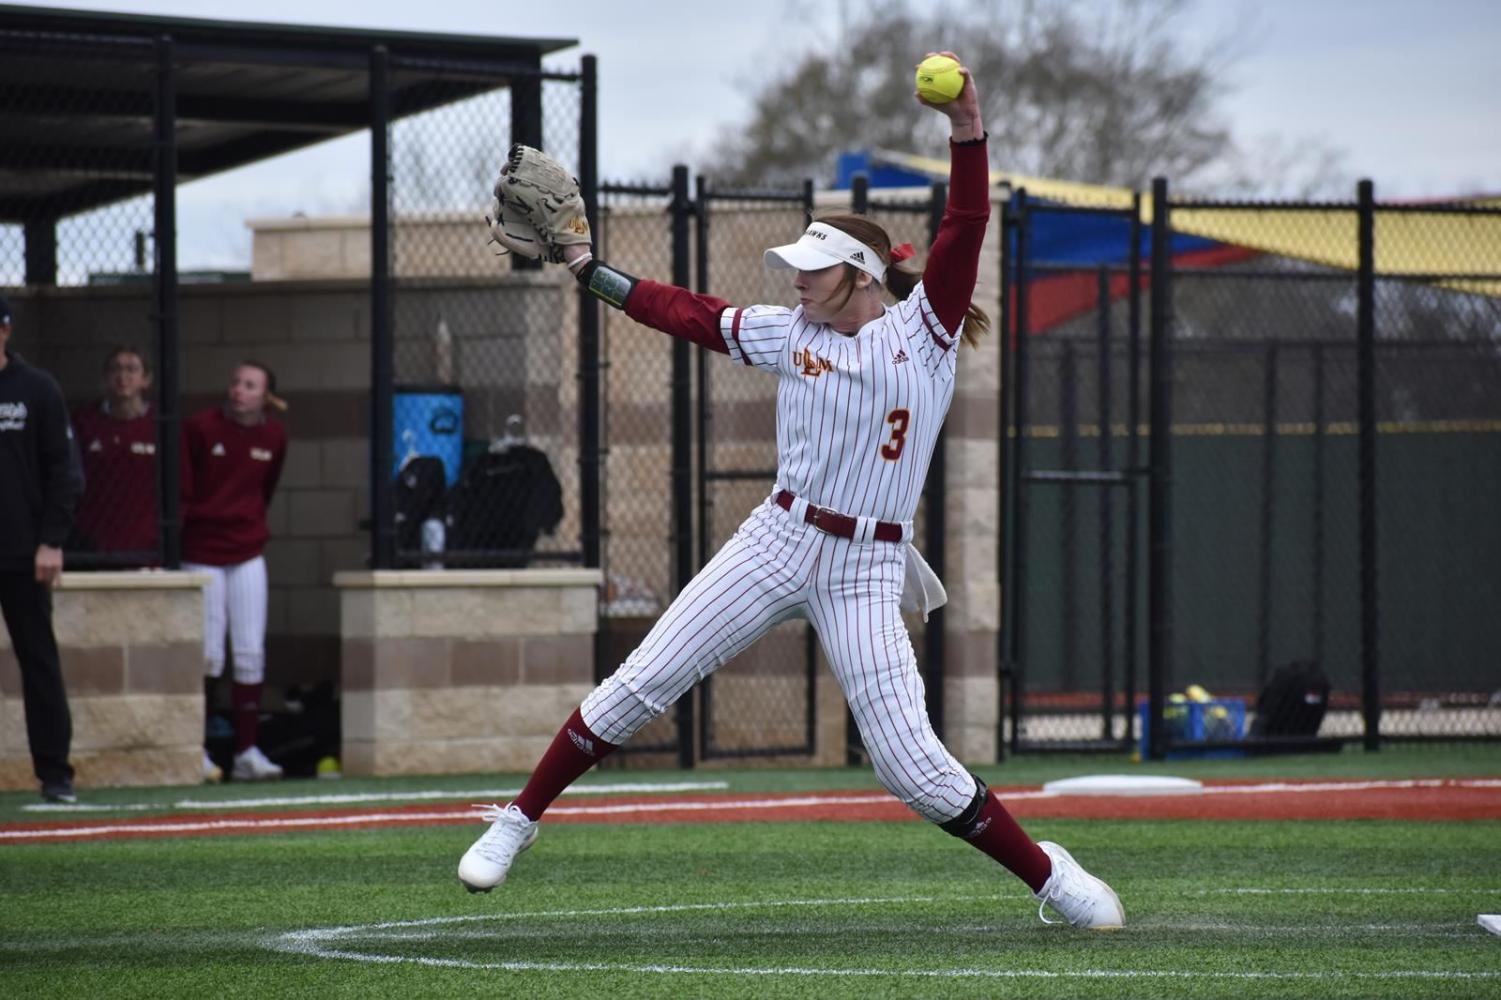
(212, 773)
(252, 765)
(1077, 896)
(485, 864)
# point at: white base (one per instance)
(1491, 922)
(1124, 784)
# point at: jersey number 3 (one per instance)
(898, 419)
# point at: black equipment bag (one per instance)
(1293, 702)
(503, 502)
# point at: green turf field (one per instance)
(1249, 910)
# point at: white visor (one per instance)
(823, 246)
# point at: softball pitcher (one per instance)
(862, 390)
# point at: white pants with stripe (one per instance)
(776, 568)
(235, 601)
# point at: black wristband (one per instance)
(602, 281)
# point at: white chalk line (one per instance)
(315, 943)
(351, 798)
(1307, 891)
(451, 815)
(622, 788)
(807, 801)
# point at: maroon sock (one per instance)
(573, 751)
(999, 836)
(246, 701)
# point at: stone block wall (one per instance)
(316, 336)
(459, 671)
(132, 656)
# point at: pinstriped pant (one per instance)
(772, 570)
(235, 597)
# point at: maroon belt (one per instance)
(835, 523)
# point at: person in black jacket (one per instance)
(40, 482)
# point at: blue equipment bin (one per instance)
(428, 420)
(1196, 720)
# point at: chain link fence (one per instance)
(485, 433)
(1273, 549)
(1266, 526)
(1438, 462)
(763, 702)
(76, 211)
(635, 234)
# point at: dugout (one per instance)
(107, 116)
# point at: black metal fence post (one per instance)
(1016, 516)
(1159, 510)
(1007, 493)
(701, 359)
(682, 438)
(1133, 466)
(1107, 507)
(1365, 328)
(164, 303)
(590, 457)
(382, 512)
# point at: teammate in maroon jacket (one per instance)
(117, 439)
(231, 460)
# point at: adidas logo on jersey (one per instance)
(899, 357)
(217, 449)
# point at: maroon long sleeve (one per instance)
(954, 262)
(678, 312)
(228, 474)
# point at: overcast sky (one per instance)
(1409, 90)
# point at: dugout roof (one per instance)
(78, 95)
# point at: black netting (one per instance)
(485, 431)
(1438, 464)
(76, 209)
(1267, 487)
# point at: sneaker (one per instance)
(252, 765)
(212, 773)
(1076, 895)
(484, 865)
(60, 791)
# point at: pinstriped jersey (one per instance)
(857, 415)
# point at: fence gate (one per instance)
(1072, 475)
(764, 703)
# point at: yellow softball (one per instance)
(939, 80)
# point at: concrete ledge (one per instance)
(136, 579)
(419, 578)
(131, 646)
(454, 671)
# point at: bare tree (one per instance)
(1101, 92)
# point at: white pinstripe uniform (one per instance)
(857, 420)
(236, 597)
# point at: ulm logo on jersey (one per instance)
(810, 363)
(261, 454)
(142, 448)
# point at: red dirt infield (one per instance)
(1418, 799)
